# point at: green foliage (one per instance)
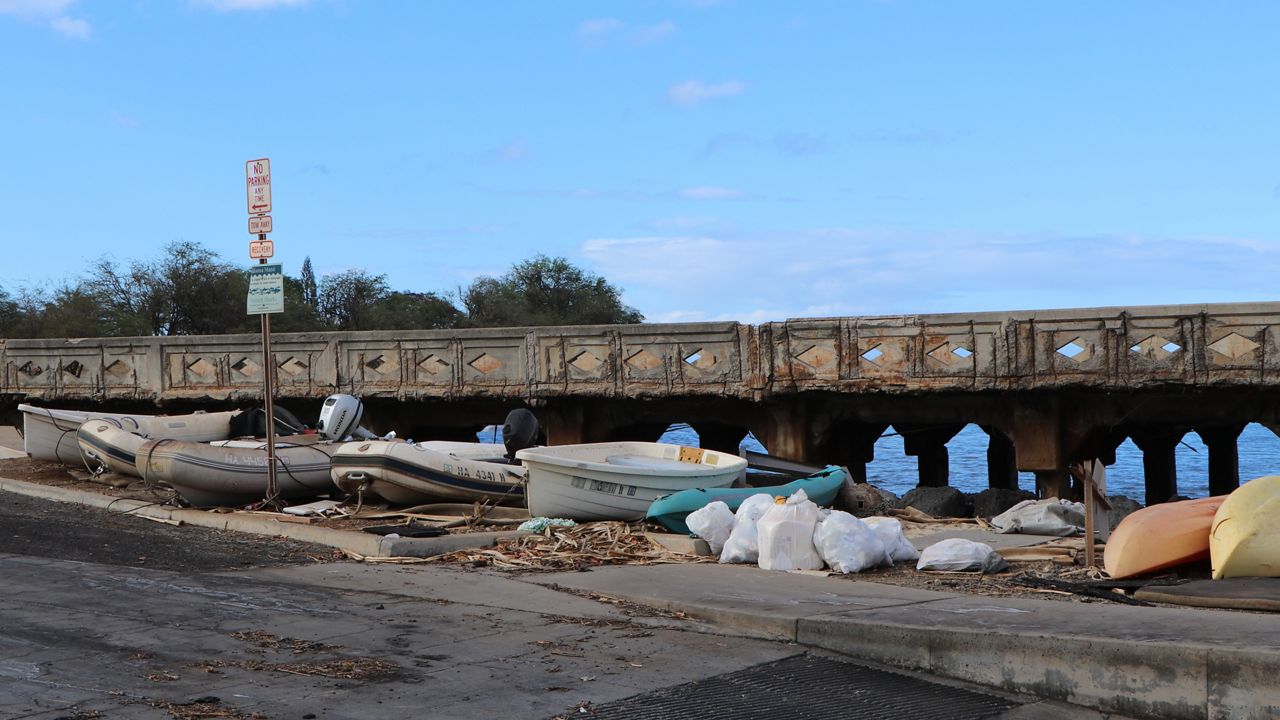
(310, 290)
(414, 311)
(545, 291)
(190, 290)
(347, 299)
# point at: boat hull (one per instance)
(618, 481)
(672, 511)
(1161, 536)
(104, 445)
(1244, 540)
(410, 474)
(50, 434)
(235, 474)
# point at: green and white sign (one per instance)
(266, 289)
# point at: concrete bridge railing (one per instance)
(1120, 348)
(1056, 385)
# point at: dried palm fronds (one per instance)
(571, 548)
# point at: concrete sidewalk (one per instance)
(1144, 662)
(1139, 661)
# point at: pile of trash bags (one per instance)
(795, 534)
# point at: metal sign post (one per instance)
(266, 295)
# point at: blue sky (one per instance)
(717, 160)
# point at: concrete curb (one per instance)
(355, 542)
(1142, 662)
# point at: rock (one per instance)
(865, 499)
(1121, 506)
(993, 501)
(939, 501)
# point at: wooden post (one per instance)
(1092, 475)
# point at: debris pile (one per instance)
(572, 548)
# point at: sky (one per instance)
(717, 160)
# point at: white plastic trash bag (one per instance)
(1050, 516)
(743, 544)
(960, 555)
(889, 530)
(712, 522)
(786, 535)
(847, 545)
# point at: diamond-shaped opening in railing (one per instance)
(1071, 349)
(1171, 347)
(376, 363)
(694, 357)
(961, 351)
(873, 354)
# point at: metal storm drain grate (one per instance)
(812, 688)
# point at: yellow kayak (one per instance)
(1245, 537)
(1161, 536)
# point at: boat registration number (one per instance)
(604, 487)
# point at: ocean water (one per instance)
(894, 470)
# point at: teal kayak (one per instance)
(671, 510)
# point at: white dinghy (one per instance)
(618, 481)
(413, 473)
(410, 474)
(234, 472)
(108, 448)
(50, 434)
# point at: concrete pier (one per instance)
(1051, 387)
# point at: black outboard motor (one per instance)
(521, 430)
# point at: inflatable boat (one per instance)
(107, 448)
(234, 472)
(405, 473)
(50, 434)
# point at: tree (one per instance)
(545, 291)
(310, 291)
(414, 311)
(298, 316)
(72, 312)
(189, 291)
(346, 300)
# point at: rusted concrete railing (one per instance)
(1118, 348)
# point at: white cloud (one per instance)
(711, 192)
(124, 120)
(649, 34)
(233, 5)
(50, 12)
(596, 31)
(34, 8)
(693, 92)
(755, 277)
(513, 151)
(71, 27)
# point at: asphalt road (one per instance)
(104, 615)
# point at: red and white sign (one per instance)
(259, 249)
(257, 175)
(259, 224)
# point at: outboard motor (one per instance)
(340, 417)
(520, 430)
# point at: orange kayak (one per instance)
(1161, 536)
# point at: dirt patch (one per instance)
(359, 668)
